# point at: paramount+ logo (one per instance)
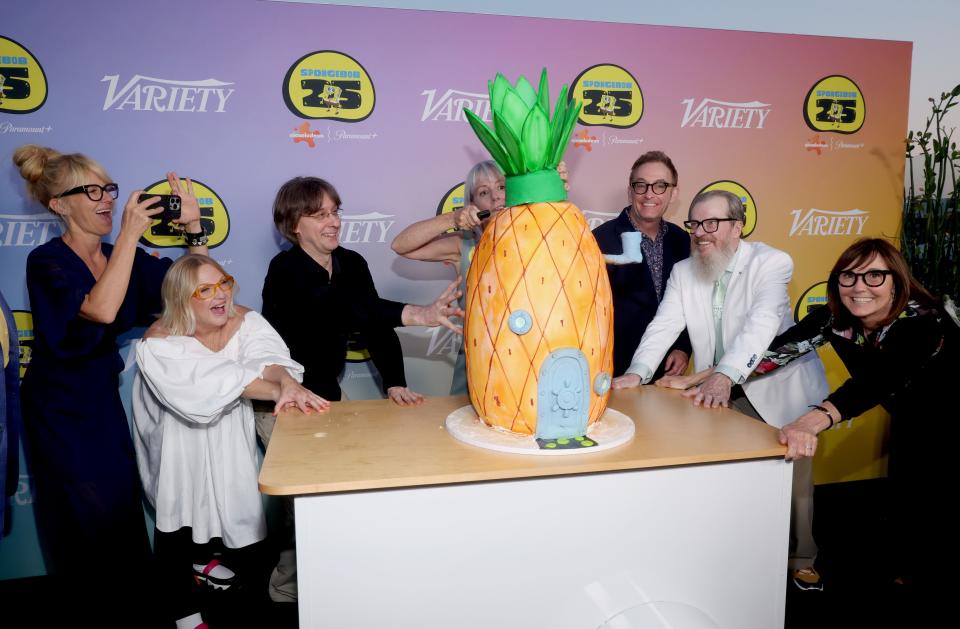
(329, 84)
(748, 203)
(213, 217)
(835, 104)
(23, 83)
(610, 95)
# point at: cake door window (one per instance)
(564, 395)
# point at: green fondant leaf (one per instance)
(525, 91)
(497, 89)
(490, 141)
(536, 140)
(510, 142)
(513, 111)
(543, 93)
(569, 123)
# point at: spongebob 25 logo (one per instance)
(213, 217)
(23, 84)
(610, 97)
(835, 104)
(329, 84)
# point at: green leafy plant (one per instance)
(930, 236)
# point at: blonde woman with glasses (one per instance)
(200, 366)
(84, 294)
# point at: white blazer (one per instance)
(756, 309)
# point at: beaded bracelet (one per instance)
(196, 240)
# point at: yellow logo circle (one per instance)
(357, 352)
(24, 322)
(23, 83)
(213, 216)
(748, 203)
(835, 104)
(811, 299)
(329, 84)
(610, 95)
(452, 201)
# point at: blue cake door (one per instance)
(564, 395)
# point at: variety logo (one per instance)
(816, 222)
(835, 104)
(24, 322)
(818, 144)
(610, 95)
(443, 342)
(748, 202)
(365, 228)
(213, 217)
(811, 299)
(718, 114)
(329, 84)
(310, 137)
(28, 230)
(145, 93)
(596, 219)
(449, 107)
(23, 83)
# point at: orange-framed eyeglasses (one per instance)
(207, 291)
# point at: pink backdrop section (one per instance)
(394, 167)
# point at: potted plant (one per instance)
(930, 236)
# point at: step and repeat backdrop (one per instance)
(240, 96)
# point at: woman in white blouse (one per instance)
(200, 365)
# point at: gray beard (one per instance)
(709, 268)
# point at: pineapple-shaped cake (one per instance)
(538, 332)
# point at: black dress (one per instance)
(88, 493)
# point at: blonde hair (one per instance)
(49, 172)
(177, 291)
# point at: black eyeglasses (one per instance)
(93, 191)
(659, 187)
(872, 278)
(709, 225)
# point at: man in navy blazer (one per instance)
(639, 285)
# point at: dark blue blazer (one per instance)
(634, 296)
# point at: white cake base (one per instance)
(614, 429)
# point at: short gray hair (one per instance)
(483, 170)
(735, 209)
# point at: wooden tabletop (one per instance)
(375, 444)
